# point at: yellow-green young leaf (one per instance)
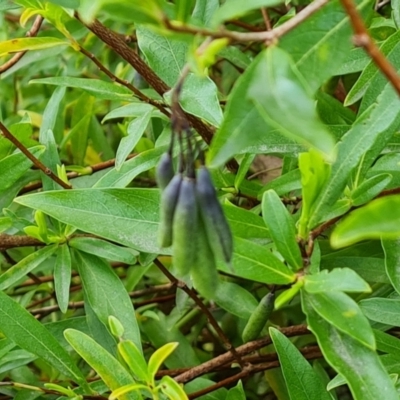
(337, 280)
(34, 43)
(278, 92)
(107, 367)
(314, 174)
(172, 389)
(344, 314)
(288, 294)
(302, 381)
(120, 392)
(134, 359)
(282, 228)
(159, 356)
(26, 265)
(358, 364)
(116, 328)
(378, 219)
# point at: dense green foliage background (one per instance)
(91, 307)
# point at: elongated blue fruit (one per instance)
(204, 272)
(259, 318)
(217, 228)
(164, 171)
(169, 200)
(185, 227)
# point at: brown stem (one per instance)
(17, 56)
(7, 134)
(193, 295)
(362, 39)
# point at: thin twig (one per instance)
(266, 18)
(363, 39)
(17, 56)
(7, 134)
(192, 294)
(265, 36)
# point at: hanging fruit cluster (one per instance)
(192, 219)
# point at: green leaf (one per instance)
(255, 262)
(282, 228)
(358, 364)
(243, 169)
(16, 165)
(26, 265)
(242, 117)
(134, 359)
(236, 393)
(233, 9)
(98, 88)
(109, 369)
(378, 219)
(131, 169)
(387, 343)
(104, 249)
(159, 356)
(62, 276)
(339, 279)
(302, 381)
(392, 261)
(235, 299)
(313, 44)
(33, 43)
(126, 216)
(286, 104)
(199, 96)
(135, 131)
(385, 311)
(390, 49)
(134, 109)
(371, 130)
(107, 295)
(172, 389)
(370, 188)
(25, 331)
(344, 314)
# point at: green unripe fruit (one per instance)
(164, 171)
(169, 200)
(185, 227)
(217, 228)
(259, 318)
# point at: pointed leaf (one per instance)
(344, 314)
(392, 261)
(159, 356)
(358, 364)
(172, 389)
(339, 279)
(25, 331)
(109, 368)
(26, 265)
(62, 276)
(107, 295)
(134, 359)
(282, 99)
(302, 381)
(378, 219)
(282, 228)
(33, 43)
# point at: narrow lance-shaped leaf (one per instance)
(302, 381)
(109, 368)
(392, 261)
(279, 94)
(26, 265)
(33, 43)
(358, 364)
(107, 295)
(282, 228)
(29, 334)
(62, 276)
